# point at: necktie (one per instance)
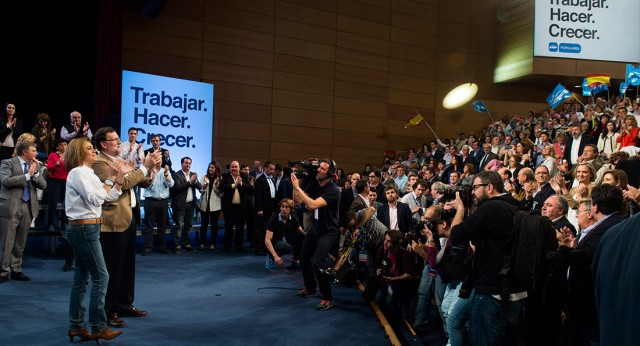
(25, 189)
(483, 160)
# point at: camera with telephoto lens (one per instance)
(465, 194)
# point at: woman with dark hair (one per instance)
(608, 141)
(455, 165)
(210, 205)
(84, 196)
(10, 130)
(45, 135)
(628, 132)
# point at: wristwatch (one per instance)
(109, 182)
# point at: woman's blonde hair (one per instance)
(74, 156)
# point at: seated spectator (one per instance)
(45, 136)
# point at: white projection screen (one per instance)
(606, 30)
(180, 111)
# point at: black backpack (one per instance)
(531, 240)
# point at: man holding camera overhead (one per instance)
(323, 199)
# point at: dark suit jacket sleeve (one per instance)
(261, 189)
(405, 216)
(180, 183)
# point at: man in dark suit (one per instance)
(235, 187)
(118, 231)
(155, 145)
(595, 217)
(402, 218)
(265, 206)
(183, 203)
(361, 200)
(19, 176)
(436, 152)
(376, 185)
(575, 145)
(619, 249)
(466, 156)
(543, 192)
(555, 207)
(486, 157)
(346, 198)
(284, 187)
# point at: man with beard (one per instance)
(321, 236)
(489, 228)
(576, 144)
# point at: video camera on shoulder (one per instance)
(304, 169)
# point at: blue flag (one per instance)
(479, 107)
(623, 88)
(558, 95)
(632, 75)
(600, 88)
(586, 91)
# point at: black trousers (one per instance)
(155, 211)
(315, 249)
(209, 218)
(234, 218)
(119, 250)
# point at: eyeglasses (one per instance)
(478, 185)
(117, 139)
(584, 211)
(372, 176)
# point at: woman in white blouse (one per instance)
(607, 141)
(210, 205)
(84, 196)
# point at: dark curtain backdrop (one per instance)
(49, 58)
(108, 83)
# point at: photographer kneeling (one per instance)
(394, 268)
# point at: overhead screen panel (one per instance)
(179, 111)
(606, 30)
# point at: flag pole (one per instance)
(426, 123)
(492, 121)
(577, 100)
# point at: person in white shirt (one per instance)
(131, 150)
(84, 196)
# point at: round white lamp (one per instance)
(460, 95)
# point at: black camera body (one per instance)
(303, 169)
(465, 194)
(386, 267)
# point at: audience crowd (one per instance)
(404, 209)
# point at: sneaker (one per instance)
(305, 294)
(177, 249)
(188, 248)
(269, 263)
(324, 305)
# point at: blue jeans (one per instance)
(452, 289)
(489, 327)
(458, 318)
(428, 287)
(183, 217)
(85, 241)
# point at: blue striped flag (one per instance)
(559, 94)
(623, 88)
(632, 76)
(479, 107)
(586, 91)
